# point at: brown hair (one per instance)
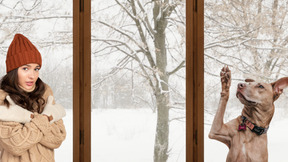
(31, 101)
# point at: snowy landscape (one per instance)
(128, 77)
(122, 135)
(123, 106)
(129, 136)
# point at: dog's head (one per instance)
(260, 94)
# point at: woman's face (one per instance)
(28, 75)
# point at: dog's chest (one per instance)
(245, 147)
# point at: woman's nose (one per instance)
(241, 85)
(32, 74)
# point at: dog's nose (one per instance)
(241, 85)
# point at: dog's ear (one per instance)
(278, 87)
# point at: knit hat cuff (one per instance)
(29, 56)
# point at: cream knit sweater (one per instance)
(32, 142)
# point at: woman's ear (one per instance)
(278, 87)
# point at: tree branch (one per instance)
(136, 58)
(146, 20)
(26, 19)
(126, 10)
(180, 66)
(123, 33)
(142, 36)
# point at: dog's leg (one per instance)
(219, 130)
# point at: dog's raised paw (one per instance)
(225, 75)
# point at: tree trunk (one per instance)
(162, 89)
(162, 129)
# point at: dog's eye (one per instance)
(261, 86)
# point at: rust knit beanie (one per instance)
(21, 52)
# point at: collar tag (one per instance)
(242, 127)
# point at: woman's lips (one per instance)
(29, 83)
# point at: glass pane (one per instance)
(138, 80)
(251, 38)
(48, 24)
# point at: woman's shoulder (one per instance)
(48, 91)
(3, 95)
(47, 87)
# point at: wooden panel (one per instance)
(195, 81)
(189, 81)
(76, 81)
(86, 98)
(198, 83)
(81, 80)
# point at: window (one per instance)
(43, 22)
(133, 86)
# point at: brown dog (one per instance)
(247, 145)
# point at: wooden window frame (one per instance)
(82, 81)
(195, 81)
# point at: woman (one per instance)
(31, 125)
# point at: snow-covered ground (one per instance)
(277, 141)
(124, 135)
(65, 152)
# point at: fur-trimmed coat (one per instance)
(34, 141)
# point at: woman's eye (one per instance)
(25, 68)
(261, 86)
(37, 69)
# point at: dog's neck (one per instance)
(260, 118)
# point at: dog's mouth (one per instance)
(244, 100)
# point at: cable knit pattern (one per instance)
(17, 138)
(53, 134)
(32, 142)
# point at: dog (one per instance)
(246, 135)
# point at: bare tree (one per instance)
(150, 34)
(249, 36)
